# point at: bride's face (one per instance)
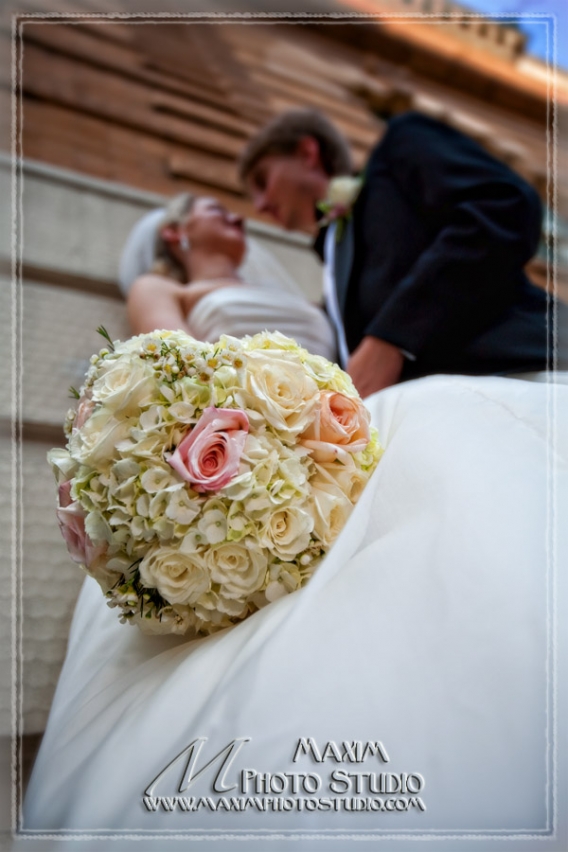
(210, 227)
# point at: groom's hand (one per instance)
(375, 365)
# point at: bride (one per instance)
(408, 692)
(185, 264)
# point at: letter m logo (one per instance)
(219, 764)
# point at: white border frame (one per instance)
(277, 18)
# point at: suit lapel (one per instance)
(344, 249)
(319, 243)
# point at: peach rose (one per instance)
(208, 457)
(340, 427)
(71, 518)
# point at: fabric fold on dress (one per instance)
(427, 628)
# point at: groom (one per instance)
(424, 255)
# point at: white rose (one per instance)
(287, 532)
(343, 190)
(272, 340)
(331, 509)
(125, 384)
(95, 443)
(240, 568)
(180, 578)
(349, 478)
(282, 391)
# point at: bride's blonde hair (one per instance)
(177, 210)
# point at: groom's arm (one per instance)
(486, 221)
(375, 365)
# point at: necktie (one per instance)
(330, 291)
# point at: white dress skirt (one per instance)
(408, 693)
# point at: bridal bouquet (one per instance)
(202, 481)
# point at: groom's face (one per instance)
(287, 188)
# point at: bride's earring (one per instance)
(184, 243)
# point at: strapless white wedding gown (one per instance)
(431, 628)
(244, 309)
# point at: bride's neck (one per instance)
(201, 267)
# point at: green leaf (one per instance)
(104, 333)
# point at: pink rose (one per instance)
(71, 518)
(208, 457)
(64, 494)
(341, 426)
(338, 211)
(84, 411)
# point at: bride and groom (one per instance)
(427, 627)
(423, 255)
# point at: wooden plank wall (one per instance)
(166, 107)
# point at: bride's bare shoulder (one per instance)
(155, 301)
(151, 283)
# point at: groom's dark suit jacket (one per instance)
(432, 258)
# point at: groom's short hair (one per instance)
(283, 134)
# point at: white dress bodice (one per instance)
(245, 309)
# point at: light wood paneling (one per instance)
(168, 106)
(59, 328)
(53, 77)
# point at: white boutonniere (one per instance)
(342, 193)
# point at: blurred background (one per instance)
(118, 112)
